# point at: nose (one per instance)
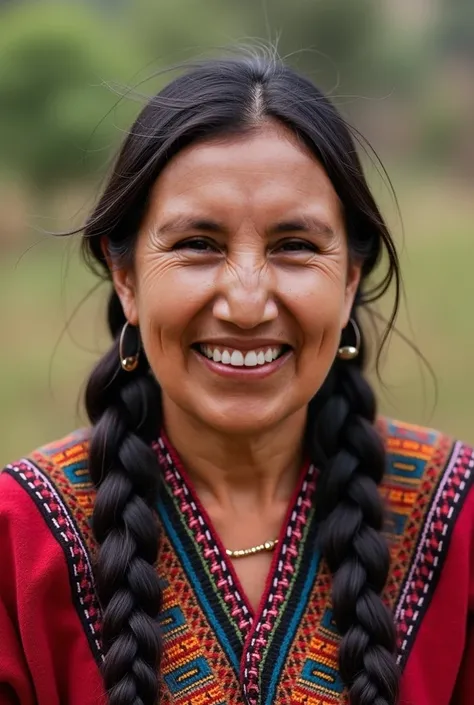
(246, 293)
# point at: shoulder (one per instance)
(424, 462)
(46, 544)
(429, 501)
(428, 494)
(55, 478)
(427, 473)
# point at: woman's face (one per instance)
(241, 282)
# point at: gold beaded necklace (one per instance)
(241, 553)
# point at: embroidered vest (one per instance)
(216, 651)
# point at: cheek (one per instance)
(168, 299)
(316, 301)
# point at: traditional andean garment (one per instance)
(216, 649)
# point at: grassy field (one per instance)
(45, 355)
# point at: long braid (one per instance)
(345, 444)
(125, 410)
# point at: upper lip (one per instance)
(242, 344)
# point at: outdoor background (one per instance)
(402, 71)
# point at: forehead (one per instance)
(267, 168)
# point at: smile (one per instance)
(242, 358)
(260, 361)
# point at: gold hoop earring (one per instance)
(128, 362)
(350, 352)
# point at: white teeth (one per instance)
(250, 359)
(237, 359)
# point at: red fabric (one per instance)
(443, 651)
(45, 658)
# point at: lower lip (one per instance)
(258, 372)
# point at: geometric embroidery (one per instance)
(418, 478)
(201, 554)
(191, 674)
(431, 546)
(172, 621)
(187, 638)
(321, 676)
(288, 654)
(186, 510)
(66, 462)
(320, 670)
(63, 528)
(293, 550)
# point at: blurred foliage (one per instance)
(172, 30)
(53, 64)
(333, 41)
(60, 61)
(456, 27)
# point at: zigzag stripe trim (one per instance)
(427, 564)
(64, 530)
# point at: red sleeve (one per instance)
(45, 657)
(15, 682)
(464, 694)
(440, 668)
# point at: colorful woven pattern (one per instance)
(205, 566)
(217, 650)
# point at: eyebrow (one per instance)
(182, 224)
(303, 224)
(300, 223)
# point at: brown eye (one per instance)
(295, 245)
(197, 244)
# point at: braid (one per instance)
(125, 410)
(346, 445)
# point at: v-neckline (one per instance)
(254, 627)
(201, 524)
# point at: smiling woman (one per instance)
(237, 526)
(242, 254)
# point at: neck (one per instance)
(256, 470)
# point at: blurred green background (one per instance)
(402, 71)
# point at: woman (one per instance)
(218, 535)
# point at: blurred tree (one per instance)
(456, 27)
(53, 64)
(173, 30)
(333, 41)
(55, 57)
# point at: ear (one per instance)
(354, 271)
(123, 279)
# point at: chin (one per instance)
(244, 418)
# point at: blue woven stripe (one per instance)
(295, 621)
(196, 584)
(406, 432)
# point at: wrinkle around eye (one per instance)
(154, 266)
(157, 264)
(331, 265)
(331, 268)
